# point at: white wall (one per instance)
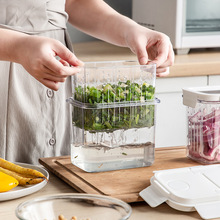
(122, 6)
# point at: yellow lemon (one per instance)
(7, 182)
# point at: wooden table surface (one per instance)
(198, 62)
(140, 210)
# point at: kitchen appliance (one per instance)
(188, 23)
(113, 116)
(186, 189)
(203, 112)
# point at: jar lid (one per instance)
(193, 94)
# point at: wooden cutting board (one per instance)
(122, 184)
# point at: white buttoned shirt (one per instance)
(34, 121)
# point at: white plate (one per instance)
(21, 191)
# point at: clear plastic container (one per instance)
(203, 114)
(204, 132)
(113, 116)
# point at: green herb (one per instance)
(113, 118)
(124, 153)
(107, 93)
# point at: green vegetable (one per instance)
(123, 91)
(116, 117)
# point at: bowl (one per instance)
(82, 206)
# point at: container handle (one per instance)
(208, 210)
(152, 197)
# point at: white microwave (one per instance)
(189, 23)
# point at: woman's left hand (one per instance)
(151, 47)
(103, 22)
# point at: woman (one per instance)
(36, 62)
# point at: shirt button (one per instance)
(52, 142)
(50, 93)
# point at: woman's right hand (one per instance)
(47, 60)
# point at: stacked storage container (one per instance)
(113, 116)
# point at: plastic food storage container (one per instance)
(186, 189)
(203, 123)
(113, 116)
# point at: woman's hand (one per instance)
(117, 29)
(47, 60)
(151, 47)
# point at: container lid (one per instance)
(187, 189)
(83, 105)
(207, 93)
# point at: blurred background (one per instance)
(122, 6)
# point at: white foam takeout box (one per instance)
(187, 189)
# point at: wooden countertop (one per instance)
(140, 210)
(198, 62)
